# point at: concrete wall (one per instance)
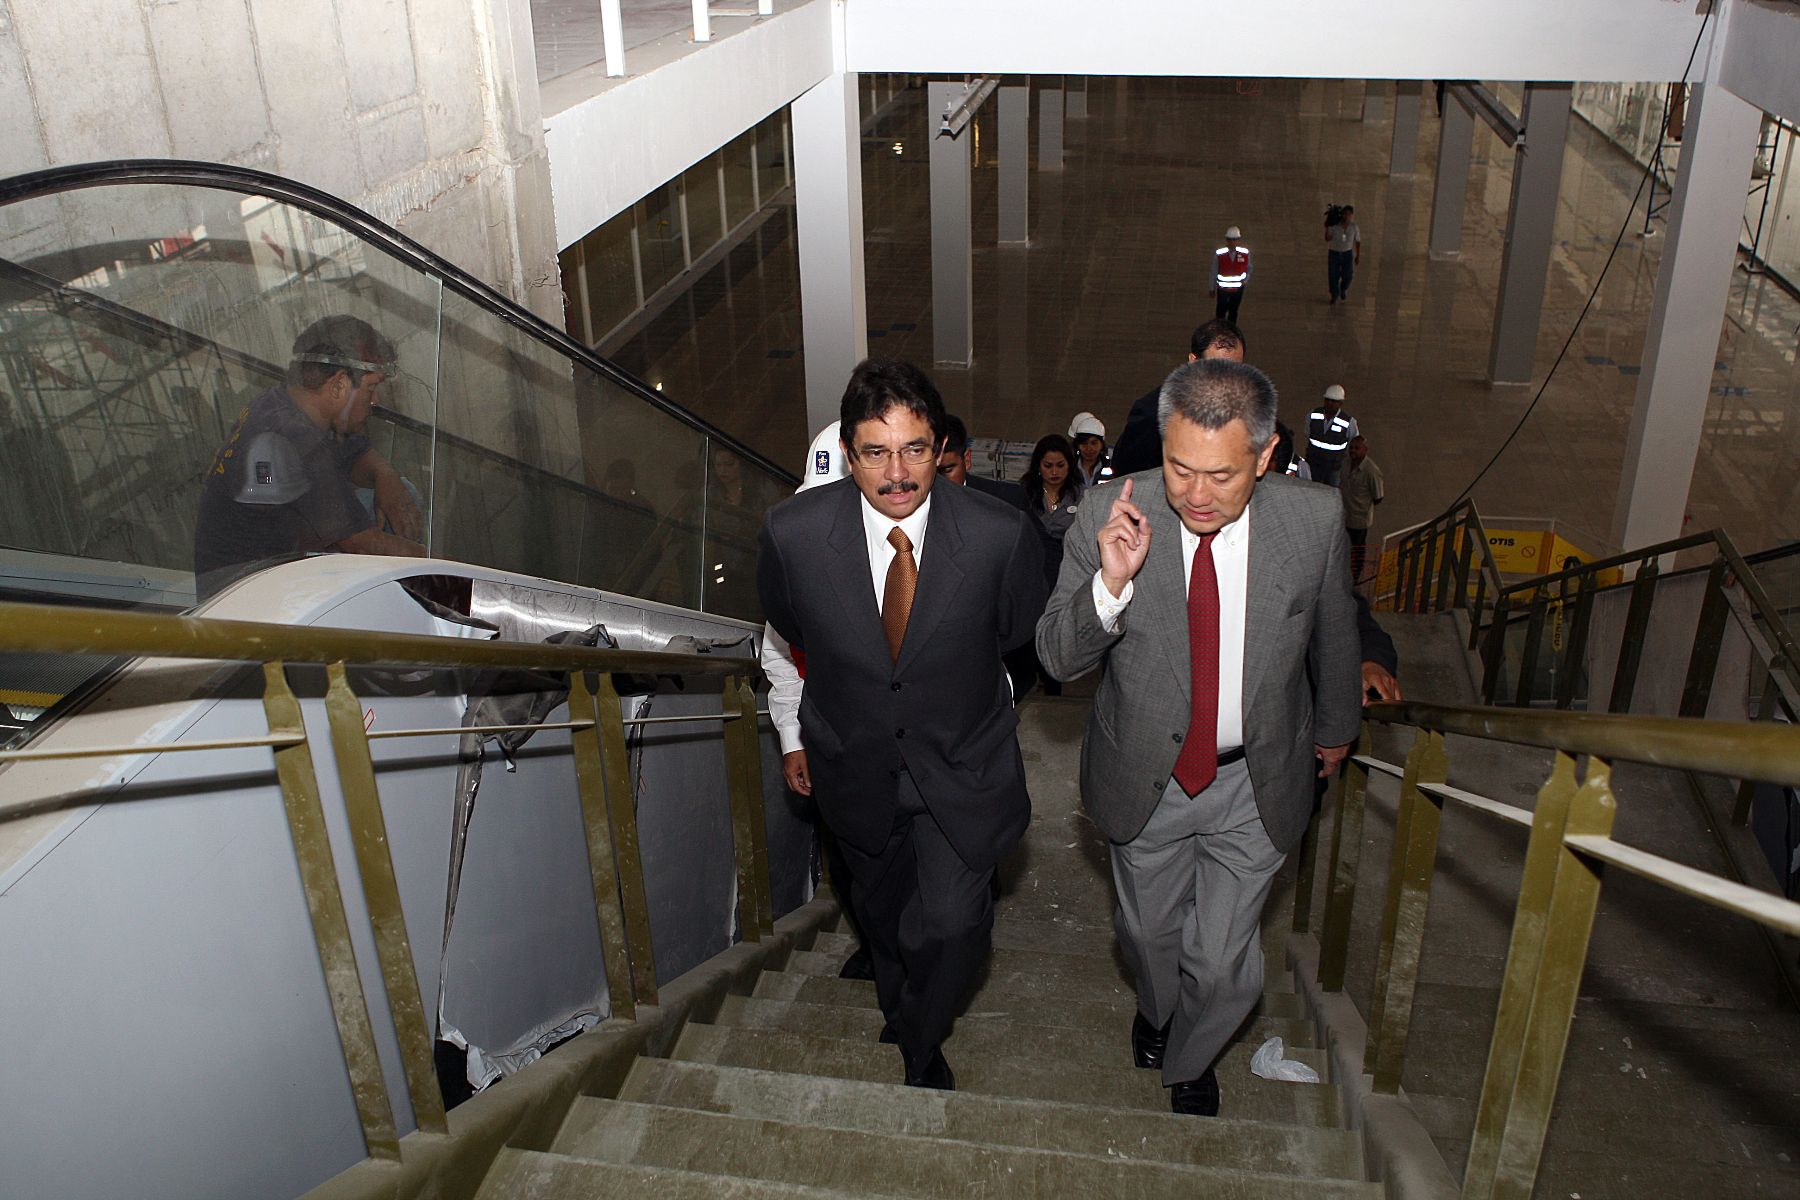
(424, 112)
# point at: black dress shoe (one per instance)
(858, 966)
(888, 1036)
(1148, 1043)
(1197, 1097)
(934, 1072)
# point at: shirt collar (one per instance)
(876, 524)
(1231, 535)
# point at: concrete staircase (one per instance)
(787, 1092)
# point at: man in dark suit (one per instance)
(1140, 445)
(953, 464)
(1219, 601)
(903, 597)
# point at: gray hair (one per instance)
(1212, 393)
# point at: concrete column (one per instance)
(1455, 140)
(1076, 106)
(1374, 99)
(828, 211)
(1530, 232)
(1050, 125)
(1685, 317)
(1404, 155)
(1015, 162)
(952, 251)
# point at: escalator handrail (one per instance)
(246, 180)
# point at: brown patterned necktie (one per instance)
(897, 594)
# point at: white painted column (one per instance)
(1403, 156)
(1076, 105)
(1686, 316)
(1455, 141)
(828, 211)
(1015, 161)
(1050, 124)
(1530, 232)
(952, 248)
(1374, 102)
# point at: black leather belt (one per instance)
(1227, 757)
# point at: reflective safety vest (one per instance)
(1332, 434)
(1233, 267)
(1298, 468)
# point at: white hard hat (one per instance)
(824, 459)
(1234, 232)
(1335, 392)
(1084, 424)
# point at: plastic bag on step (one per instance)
(1268, 1063)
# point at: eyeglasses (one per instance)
(913, 454)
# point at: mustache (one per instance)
(902, 486)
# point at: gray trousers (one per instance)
(1191, 890)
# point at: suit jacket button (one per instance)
(1178, 737)
(895, 686)
(900, 733)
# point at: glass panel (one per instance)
(611, 290)
(737, 495)
(771, 154)
(701, 183)
(659, 237)
(740, 201)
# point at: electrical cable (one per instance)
(1594, 293)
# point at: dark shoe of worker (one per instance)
(858, 965)
(1197, 1097)
(934, 1072)
(1148, 1043)
(888, 1036)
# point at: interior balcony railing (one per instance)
(603, 779)
(1568, 850)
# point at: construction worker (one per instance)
(1088, 436)
(1231, 271)
(1328, 432)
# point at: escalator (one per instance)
(145, 304)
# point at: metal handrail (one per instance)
(1559, 891)
(604, 785)
(384, 237)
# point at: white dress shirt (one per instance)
(876, 528)
(785, 689)
(1231, 564)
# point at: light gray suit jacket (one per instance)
(1302, 673)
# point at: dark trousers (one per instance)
(1227, 308)
(1359, 551)
(929, 921)
(1325, 465)
(1340, 265)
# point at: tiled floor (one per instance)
(1100, 305)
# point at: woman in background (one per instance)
(1052, 492)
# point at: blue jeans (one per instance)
(1341, 265)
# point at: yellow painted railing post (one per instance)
(381, 891)
(1308, 864)
(1390, 905)
(1386, 1052)
(590, 782)
(325, 905)
(1346, 854)
(1522, 957)
(621, 807)
(1574, 898)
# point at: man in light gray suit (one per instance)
(1219, 602)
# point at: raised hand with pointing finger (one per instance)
(1124, 542)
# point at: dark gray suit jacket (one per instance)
(1302, 662)
(944, 709)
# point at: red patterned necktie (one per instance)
(1199, 760)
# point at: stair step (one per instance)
(536, 1175)
(1026, 1078)
(962, 1116)
(973, 1035)
(618, 1131)
(1100, 1016)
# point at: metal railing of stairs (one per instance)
(603, 780)
(1568, 849)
